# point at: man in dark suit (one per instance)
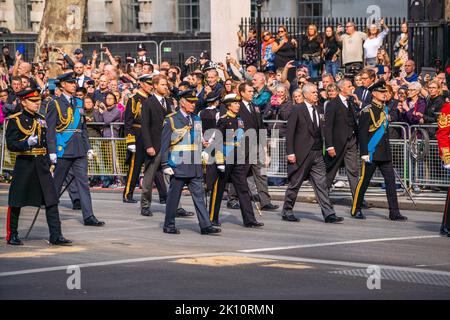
(253, 121)
(304, 148)
(340, 136)
(368, 77)
(154, 110)
(78, 69)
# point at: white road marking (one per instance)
(326, 244)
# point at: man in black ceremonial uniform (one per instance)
(376, 152)
(230, 164)
(32, 183)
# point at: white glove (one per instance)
(221, 167)
(53, 158)
(365, 158)
(32, 140)
(447, 166)
(90, 154)
(168, 171)
(205, 156)
(132, 148)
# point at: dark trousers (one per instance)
(51, 213)
(313, 168)
(367, 170)
(79, 168)
(195, 186)
(348, 156)
(445, 218)
(237, 174)
(134, 171)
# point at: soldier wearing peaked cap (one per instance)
(230, 166)
(32, 183)
(375, 152)
(68, 144)
(181, 144)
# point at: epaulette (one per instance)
(40, 115)
(366, 108)
(170, 114)
(15, 115)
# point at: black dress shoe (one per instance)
(253, 224)
(60, 241)
(210, 230)
(162, 201)
(125, 200)
(146, 212)
(171, 230)
(181, 213)
(92, 221)
(445, 232)
(270, 207)
(333, 219)
(14, 240)
(397, 217)
(216, 223)
(233, 205)
(290, 217)
(359, 215)
(76, 205)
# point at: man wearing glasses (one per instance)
(352, 45)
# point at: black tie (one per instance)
(314, 118)
(72, 102)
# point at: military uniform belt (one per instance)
(184, 147)
(72, 130)
(33, 152)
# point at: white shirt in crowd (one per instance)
(371, 46)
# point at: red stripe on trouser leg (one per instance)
(8, 222)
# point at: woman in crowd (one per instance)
(383, 57)
(297, 96)
(284, 49)
(413, 109)
(373, 42)
(250, 46)
(331, 51)
(277, 113)
(267, 56)
(401, 50)
(311, 46)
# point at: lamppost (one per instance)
(258, 30)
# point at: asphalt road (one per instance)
(131, 258)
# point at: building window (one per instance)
(310, 11)
(253, 9)
(130, 16)
(22, 10)
(188, 15)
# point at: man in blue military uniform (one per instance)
(375, 152)
(68, 143)
(32, 183)
(230, 164)
(181, 148)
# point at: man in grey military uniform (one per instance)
(68, 144)
(181, 148)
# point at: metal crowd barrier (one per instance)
(111, 154)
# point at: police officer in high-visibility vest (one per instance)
(135, 145)
(32, 183)
(232, 164)
(375, 152)
(181, 147)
